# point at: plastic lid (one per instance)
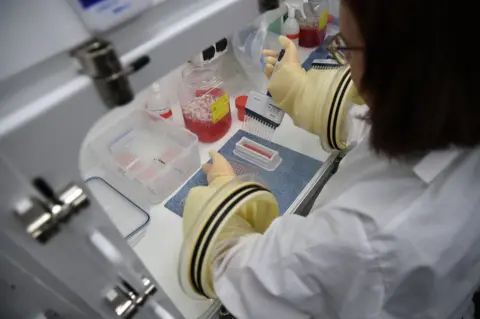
(200, 77)
(323, 20)
(331, 18)
(241, 101)
(156, 87)
(291, 12)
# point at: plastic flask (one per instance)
(291, 28)
(158, 104)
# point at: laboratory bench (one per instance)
(158, 246)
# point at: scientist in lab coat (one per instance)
(396, 231)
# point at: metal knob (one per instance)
(100, 61)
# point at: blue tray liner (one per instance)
(286, 182)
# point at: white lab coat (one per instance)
(385, 239)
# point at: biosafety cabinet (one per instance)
(64, 64)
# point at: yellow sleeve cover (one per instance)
(317, 100)
(216, 217)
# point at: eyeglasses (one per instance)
(339, 49)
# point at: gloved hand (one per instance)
(290, 57)
(239, 206)
(317, 101)
(220, 171)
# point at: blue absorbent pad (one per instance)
(286, 182)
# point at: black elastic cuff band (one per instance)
(199, 249)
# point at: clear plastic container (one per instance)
(248, 45)
(205, 103)
(150, 159)
(257, 154)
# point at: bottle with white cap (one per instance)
(291, 28)
(159, 103)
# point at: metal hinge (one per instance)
(125, 301)
(100, 62)
(41, 218)
(134, 290)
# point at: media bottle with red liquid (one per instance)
(205, 104)
(313, 23)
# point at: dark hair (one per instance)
(419, 75)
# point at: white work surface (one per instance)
(160, 245)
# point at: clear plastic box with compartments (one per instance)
(147, 159)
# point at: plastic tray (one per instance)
(147, 159)
(126, 215)
(257, 154)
